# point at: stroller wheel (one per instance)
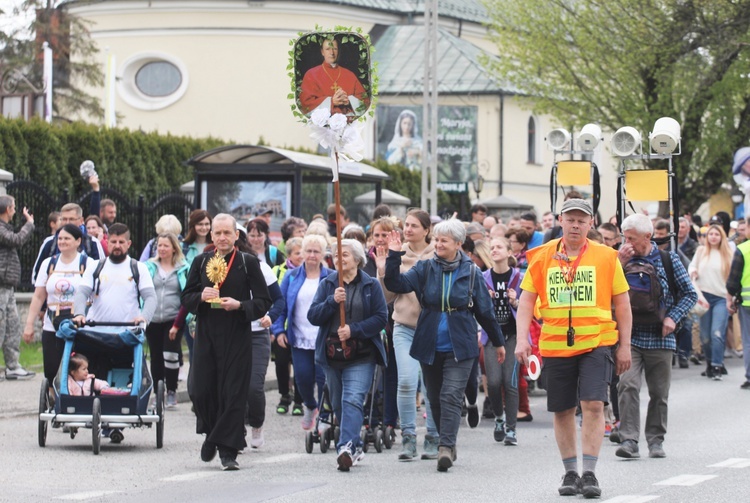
(336, 434)
(309, 442)
(389, 437)
(379, 440)
(43, 406)
(96, 425)
(363, 437)
(324, 443)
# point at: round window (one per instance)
(158, 79)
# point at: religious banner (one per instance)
(399, 141)
(331, 71)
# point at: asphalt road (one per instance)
(708, 459)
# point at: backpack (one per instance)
(647, 300)
(133, 270)
(81, 263)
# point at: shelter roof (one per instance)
(253, 155)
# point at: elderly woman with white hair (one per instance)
(454, 298)
(167, 224)
(349, 349)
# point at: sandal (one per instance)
(297, 410)
(282, 408)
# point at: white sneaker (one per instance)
(358, 456)
(18, 373)
(256, 438)
(171, 399)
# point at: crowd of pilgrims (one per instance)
(400, 313)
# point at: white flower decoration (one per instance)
(337, 122)
(320, 116)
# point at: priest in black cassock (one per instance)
(222, 353)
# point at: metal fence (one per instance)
(138, 214)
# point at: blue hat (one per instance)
(740, 157)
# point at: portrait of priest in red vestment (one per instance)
(330, 85)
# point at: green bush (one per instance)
(132, 162)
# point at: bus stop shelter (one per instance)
(245, 180)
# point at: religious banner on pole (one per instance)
(333, 87)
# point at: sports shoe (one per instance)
(628, 449)
(208, 451)
(171, 399)
(283, 406)
(445, 458)
(716, 373)
(345, 460)
(256, 438)
(430, 448)
(590, 486)
(745, 385)
(499, 432)
(510, 436)
(615, 436)
(358, 456)
(683, 361)
(656, 450)
(116, 436)
(18, 373)
(229, 464)
(571, 484)
(408, 448)
(297, 410)
(472, 415)
(607, 429)
(308, 419)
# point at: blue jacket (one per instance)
(425, 279)
(323, 310)
(290, 287)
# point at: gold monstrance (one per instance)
(216, 271)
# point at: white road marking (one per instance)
(85, 495)
(732, 463)
(685, 480)
(184, 477)
(632, 498)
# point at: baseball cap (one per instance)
(264, 211)
(577, 204)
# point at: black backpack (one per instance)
(133, 270)
(647, 301)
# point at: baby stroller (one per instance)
(374, 431)
(118, 354)
(331, 430)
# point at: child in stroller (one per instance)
(80, 382)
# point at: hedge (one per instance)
(133, 162)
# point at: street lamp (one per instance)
(478, 184)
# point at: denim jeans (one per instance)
(446, 381)
(714, 329)
(744, 313)
(408, 382)
(306, 375)
(348, 388)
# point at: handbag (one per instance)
(354, 350)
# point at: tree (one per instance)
(73, 50)
(630, 63)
